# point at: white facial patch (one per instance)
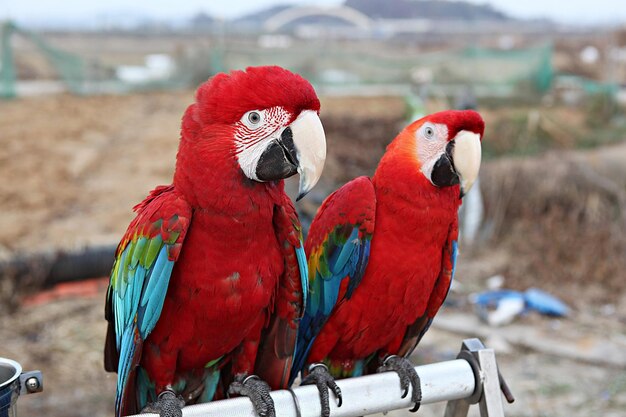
(252, 139)
(430, 147)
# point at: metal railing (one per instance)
(473, 378)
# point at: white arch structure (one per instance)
(348, 14)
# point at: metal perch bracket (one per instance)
(488, 383)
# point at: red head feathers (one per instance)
(226, 97)
(443, 148)
(261, 124)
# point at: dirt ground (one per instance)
(77, 165)
(72, 168)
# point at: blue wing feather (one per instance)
(304, 272)
(139, 282)
(137, 309)
(154, 294)
(348, 260)
(338, 263)
(453, 256)
(127, 351)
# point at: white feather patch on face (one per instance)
(429, 149)
(252, 139)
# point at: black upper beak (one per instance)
(279, 160)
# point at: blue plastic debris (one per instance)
(493, 298)
(545, 303)
(502, 306)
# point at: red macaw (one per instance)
(382, 252)
(209, 280)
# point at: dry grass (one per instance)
(562, 217)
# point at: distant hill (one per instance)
(426, 9)
(131, 19)
(201, 19)
(263, 14)
(380, 9)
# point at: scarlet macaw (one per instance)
(382, 252)
(209, 280)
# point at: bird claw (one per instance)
(257, 390)
(408, 377)
(168, 404)
(321, 377)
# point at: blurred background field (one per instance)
(89, 124)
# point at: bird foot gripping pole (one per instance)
(488, 383)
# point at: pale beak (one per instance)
(466, 156)
(310, 145)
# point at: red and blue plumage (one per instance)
(209, 280)
(139, 280)
(341, 250)
(382, 251)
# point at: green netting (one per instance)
(79, 75)
(7, 65)
(70, 67)
(488, 71)
(490, 68)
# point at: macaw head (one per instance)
(445, 147)
(263, 121)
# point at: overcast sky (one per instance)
(41, 11)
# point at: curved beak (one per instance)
(301, 148)
(310, 145)
(466, 156)
(460, 163)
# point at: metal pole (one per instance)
(443, 381)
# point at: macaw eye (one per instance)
(253, 119)
(429, 132)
